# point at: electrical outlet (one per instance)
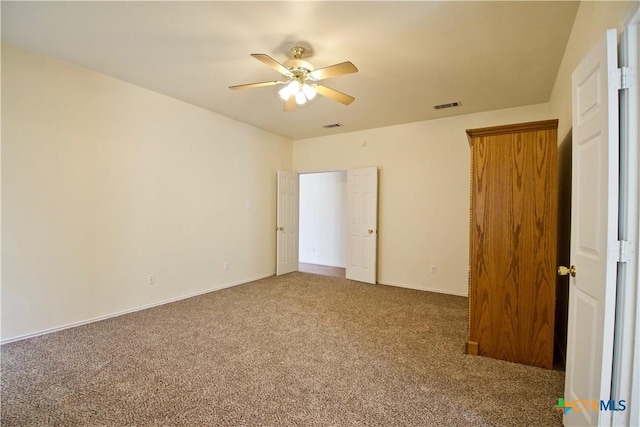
(433, 269)
(226, 265)
(151, 280)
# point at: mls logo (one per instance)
(562, 407)
(590, 405)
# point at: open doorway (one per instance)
(357, 251)
(323, 223)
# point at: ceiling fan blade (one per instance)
(250, 85)
(272, 63)
(334, 94)
(334, 70)
(290, 104)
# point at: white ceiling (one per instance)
(410, 55)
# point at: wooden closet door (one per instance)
(513, 245)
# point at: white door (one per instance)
(287, 226)
(362, 230)
(594, 234)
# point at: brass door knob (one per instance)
(370, 231)
(279, 228)
(563, 271)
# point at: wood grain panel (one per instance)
(513, 242)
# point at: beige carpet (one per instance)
(301, 349)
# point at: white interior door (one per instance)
(287, 226)
(362, 229)
(594, 233)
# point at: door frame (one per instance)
(302, 172)
(626, 372)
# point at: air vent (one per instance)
(332, 125)
(449, 105)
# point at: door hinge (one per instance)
(622, 251)
(624, 78)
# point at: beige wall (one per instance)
(592, 20)
(424, 191)
(424, 187)
(105, 183)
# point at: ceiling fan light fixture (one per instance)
(291, 89)
(284, 93)
(309, 91)
(300, 98)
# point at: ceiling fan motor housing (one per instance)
(300, 68)
(298, 65)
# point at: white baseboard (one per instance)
(419, 288)
(131, 310)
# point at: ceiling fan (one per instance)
(301, 82)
